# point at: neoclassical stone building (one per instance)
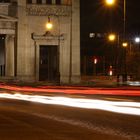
(30, 52)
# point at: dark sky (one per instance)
(96, 17)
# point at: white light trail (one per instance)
(133, 83)
(132, 108)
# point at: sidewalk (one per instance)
(87, 83)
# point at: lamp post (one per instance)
(112, 37)
(124, 44)
(124, 17)
(111, 3)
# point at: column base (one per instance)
(73, 80)
(26, 78)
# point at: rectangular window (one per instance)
(29, 1)
(39, 1)
(49, 1)
(58, 2)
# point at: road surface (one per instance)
(31, 120)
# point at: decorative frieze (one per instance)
(7, 31)
(47, 36)
(47, 10)
(7, 25)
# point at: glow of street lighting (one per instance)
(112, 37)
(137, 40)
(124, 44)
(110, 2)
(95, 61)
(49, 25)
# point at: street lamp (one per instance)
(124, 17)
(125, 44)
(49, 25)
(137, 40)
(110, 2)
(112, 37)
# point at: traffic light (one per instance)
(110, 71)
(95, 60)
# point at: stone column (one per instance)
(43, 1)
(34, 1)
(53, 2)
(22, 41)
(70, 48)
(75, 74)
(9, 57)
(63, 2)
(65, 50)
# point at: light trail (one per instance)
(74, 90)
(131, 108)
(133, 83)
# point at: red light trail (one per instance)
(74, 90)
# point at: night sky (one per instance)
(96, 17)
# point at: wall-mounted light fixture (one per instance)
(49, 25)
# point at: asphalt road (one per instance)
(26, 120)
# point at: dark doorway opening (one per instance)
(2, 55)
(49, 63)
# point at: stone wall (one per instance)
(32, 20)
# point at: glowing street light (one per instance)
(124, 44)
(137, 39)
(112, 37)
(110, 2)
(49, 25)
(95, 60)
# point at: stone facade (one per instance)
(26, 32)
